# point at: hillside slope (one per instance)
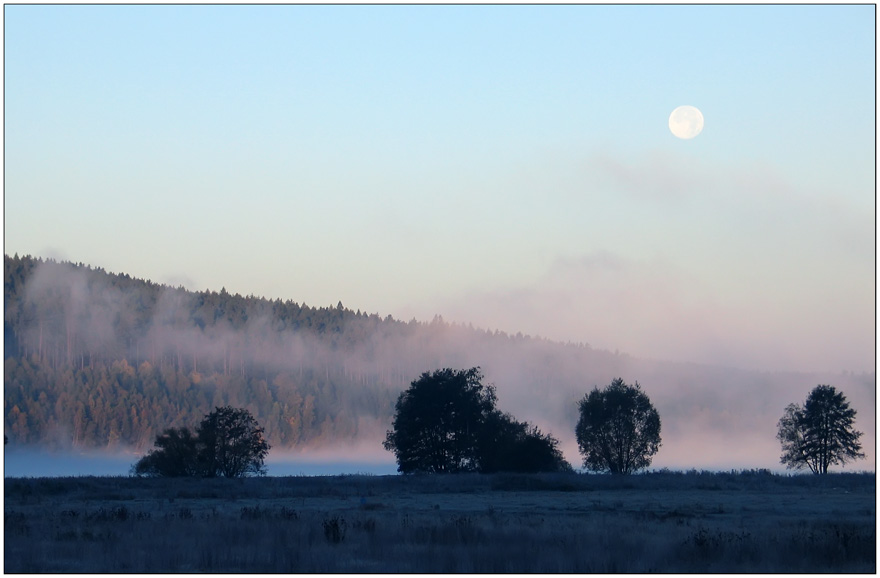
(101, 360)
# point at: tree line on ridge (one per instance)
(100, 360)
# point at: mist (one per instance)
(672, 256)
(31, 462)
(713, 416)
(654, 309)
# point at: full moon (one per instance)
(686, 122)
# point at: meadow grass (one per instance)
(501, 523)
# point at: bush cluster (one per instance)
(228, 443)
(447, 422)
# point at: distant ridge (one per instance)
(103, 360)
(110, 347)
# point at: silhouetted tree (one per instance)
(175, 455)
(447, 422)
(438, 422)
(228, 443)
(820, 433)
(618, 430)
(508, 445)
(231, 444)
(536, 451)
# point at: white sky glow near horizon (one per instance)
(508, 166)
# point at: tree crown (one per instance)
(820, 433)
(228, 443)
(618, 430)
(447, 422)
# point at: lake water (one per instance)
(23, 463)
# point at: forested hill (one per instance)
(101, 360)
(97, 359)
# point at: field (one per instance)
(572, 523)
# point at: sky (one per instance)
(505, 166)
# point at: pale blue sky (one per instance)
(505, 165)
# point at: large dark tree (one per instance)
(618, 430)
(231, 444)
(447, 422)
(439, 420)
(228, 443)
(820, 433)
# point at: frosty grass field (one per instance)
(749, 521)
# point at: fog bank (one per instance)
(712, 416)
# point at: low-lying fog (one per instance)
(713, 417)
(716, 451)
(23, 462)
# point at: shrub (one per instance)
(228, 443)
